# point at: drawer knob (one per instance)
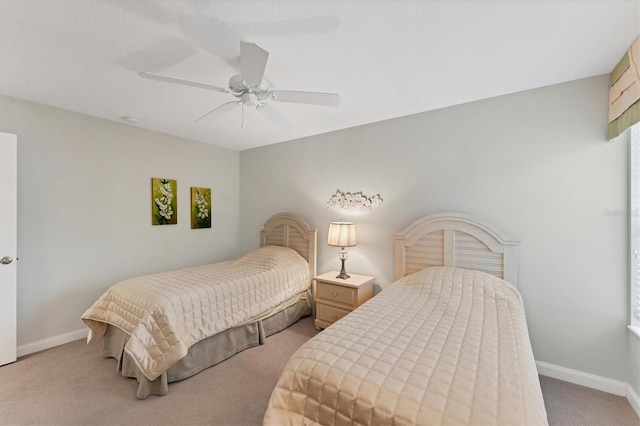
(334, 317)
(334, 294)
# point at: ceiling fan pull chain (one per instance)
(242, 121)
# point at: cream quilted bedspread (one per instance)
(444, 346)
(166, 313)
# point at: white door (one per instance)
(8, 246)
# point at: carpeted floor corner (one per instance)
(569, 404)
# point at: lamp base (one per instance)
(343, 273)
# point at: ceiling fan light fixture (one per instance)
(249, 98)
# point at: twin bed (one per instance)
(169, 326)
(446, 343)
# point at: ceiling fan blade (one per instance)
(312, 98)
(167, 79)
(221, 110)
(253, 61)
(274, 117)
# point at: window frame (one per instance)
(634, 230)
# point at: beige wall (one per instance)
(84, 212)
(535, 163)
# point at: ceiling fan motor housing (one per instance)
(236, 84)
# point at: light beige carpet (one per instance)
(71, 384)
(569, 404)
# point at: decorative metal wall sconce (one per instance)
(355, 201)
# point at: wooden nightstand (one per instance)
(335, 297)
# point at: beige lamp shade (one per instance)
(342, 234)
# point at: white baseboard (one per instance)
(634, 399)
(51, 342)
(615, 387)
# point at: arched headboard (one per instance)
(290, 230)
(455, 239)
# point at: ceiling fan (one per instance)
(248, 90)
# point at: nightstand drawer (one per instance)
(336, 297)
(336, 293)
(329, 314)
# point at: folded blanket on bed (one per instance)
(444, 346)
(166, 313)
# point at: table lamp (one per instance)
(342, 234)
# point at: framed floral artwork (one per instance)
(200, 208)
(164, 201)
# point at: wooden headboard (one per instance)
(290, 230)
(454, 239)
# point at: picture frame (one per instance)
(164, 201)
(201, 208)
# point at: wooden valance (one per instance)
(624, 92)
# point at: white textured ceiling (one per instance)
(385, 58)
